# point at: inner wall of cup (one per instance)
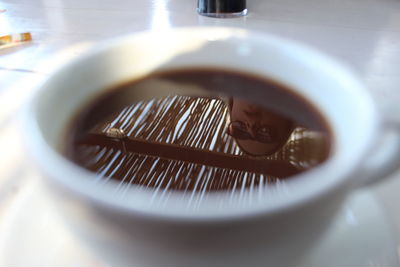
(330, 87)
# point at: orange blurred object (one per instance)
(13, 39)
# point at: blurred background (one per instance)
(364, 34)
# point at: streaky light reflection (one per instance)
(161, 16)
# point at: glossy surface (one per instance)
(363, 34)
(207, 140)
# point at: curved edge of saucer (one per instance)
(32, 234)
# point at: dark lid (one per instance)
(221, 6)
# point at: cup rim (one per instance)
(67, 176)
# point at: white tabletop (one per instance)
(364, 34)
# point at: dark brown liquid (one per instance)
(225, 131)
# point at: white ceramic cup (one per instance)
(284, 222)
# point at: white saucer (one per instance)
(31, 234)
(361, 236)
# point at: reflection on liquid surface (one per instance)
(194, 143)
